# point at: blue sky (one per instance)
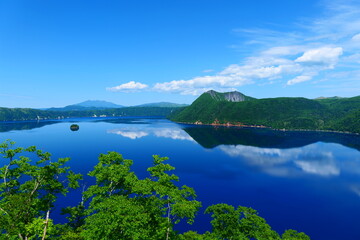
(61, 52)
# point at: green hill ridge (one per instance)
(334, 114)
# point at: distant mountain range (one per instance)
(90, 108)
(99, 105)
(162, 104)
(234, 108)
(87, 105)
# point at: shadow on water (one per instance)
(11, 126)
(28, 125)
(210, 137)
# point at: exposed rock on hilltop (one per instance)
(228, 96)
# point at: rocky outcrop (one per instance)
(228, 96)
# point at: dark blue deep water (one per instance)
(308, 181)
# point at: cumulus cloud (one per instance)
(198, 85)
(271, 64)
(325, 56)
(266, 67)
(128, 87)
(233, 76)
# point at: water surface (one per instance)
(308, 181)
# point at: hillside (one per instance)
(26, 114)
(340, 114)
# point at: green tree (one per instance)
(28, 191)
(241, 223)
(294, 235)
(125, 207)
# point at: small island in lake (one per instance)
(74, 127)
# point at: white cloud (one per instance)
(356, 37)
(299, 79)
(127, 87)
(325, 55)
(262, 68)
(235, 75)
(198, 85)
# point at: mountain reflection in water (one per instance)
(210, 137)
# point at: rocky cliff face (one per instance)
(234, 97)
(229, 96)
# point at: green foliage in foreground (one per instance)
(118, 206)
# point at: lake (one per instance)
(308, 181)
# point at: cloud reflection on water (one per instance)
(134, 133)
(310, 159)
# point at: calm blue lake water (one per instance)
(308, 181)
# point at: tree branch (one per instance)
(46, 224)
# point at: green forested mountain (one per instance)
(24, 114)
(280, 113)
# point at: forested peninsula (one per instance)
(285, 113)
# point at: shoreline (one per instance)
(74, 118)
(216, 124)
(197, 123)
